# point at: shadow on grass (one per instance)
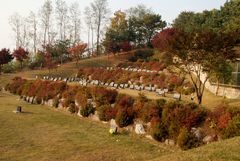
(24, 113)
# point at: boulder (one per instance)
(113, 126)
(149, 137)
(209, 138)
(169, 142)
(139, 129)
(50, 102)
(198, 133)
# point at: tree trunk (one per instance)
(199, 99)
(21, 65)
(1, 69)
(45, 37)
(217, 88)
(98, 33)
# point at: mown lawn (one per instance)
(41, 133)
(226, 150)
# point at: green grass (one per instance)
(226, 150)
(41, 133)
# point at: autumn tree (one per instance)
(5, 57)
(117, 35)
(49, 62)
(143, 25)
(199, 54)
(77, 51)
(20, 55)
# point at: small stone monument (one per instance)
(18, 110)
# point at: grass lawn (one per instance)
(41, 133)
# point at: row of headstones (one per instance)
(70, 79)
(129, 85)
(134, 69)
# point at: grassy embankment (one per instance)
(41, 133)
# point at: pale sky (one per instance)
(169, 9)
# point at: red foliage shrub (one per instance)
(17, 82)
(125, 114)
(161, 39)
(104, 96)
(106, 112)
(69, 95)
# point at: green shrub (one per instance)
(233, 128)
(158, 130)
(87, 110)
(187, 140)
(55, 102)
(8, 68)
(72, 108)
(188, 91)
(143, 54)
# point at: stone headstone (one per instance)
(115, 85)
(90, 77)
(158, 90)
(153, 88)
(141, 79)
(111, 84)
(121, 85)
(166, 90)
(139, 129)
(126, 85)
(176, 96)
(161, 92)
(131, 86)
